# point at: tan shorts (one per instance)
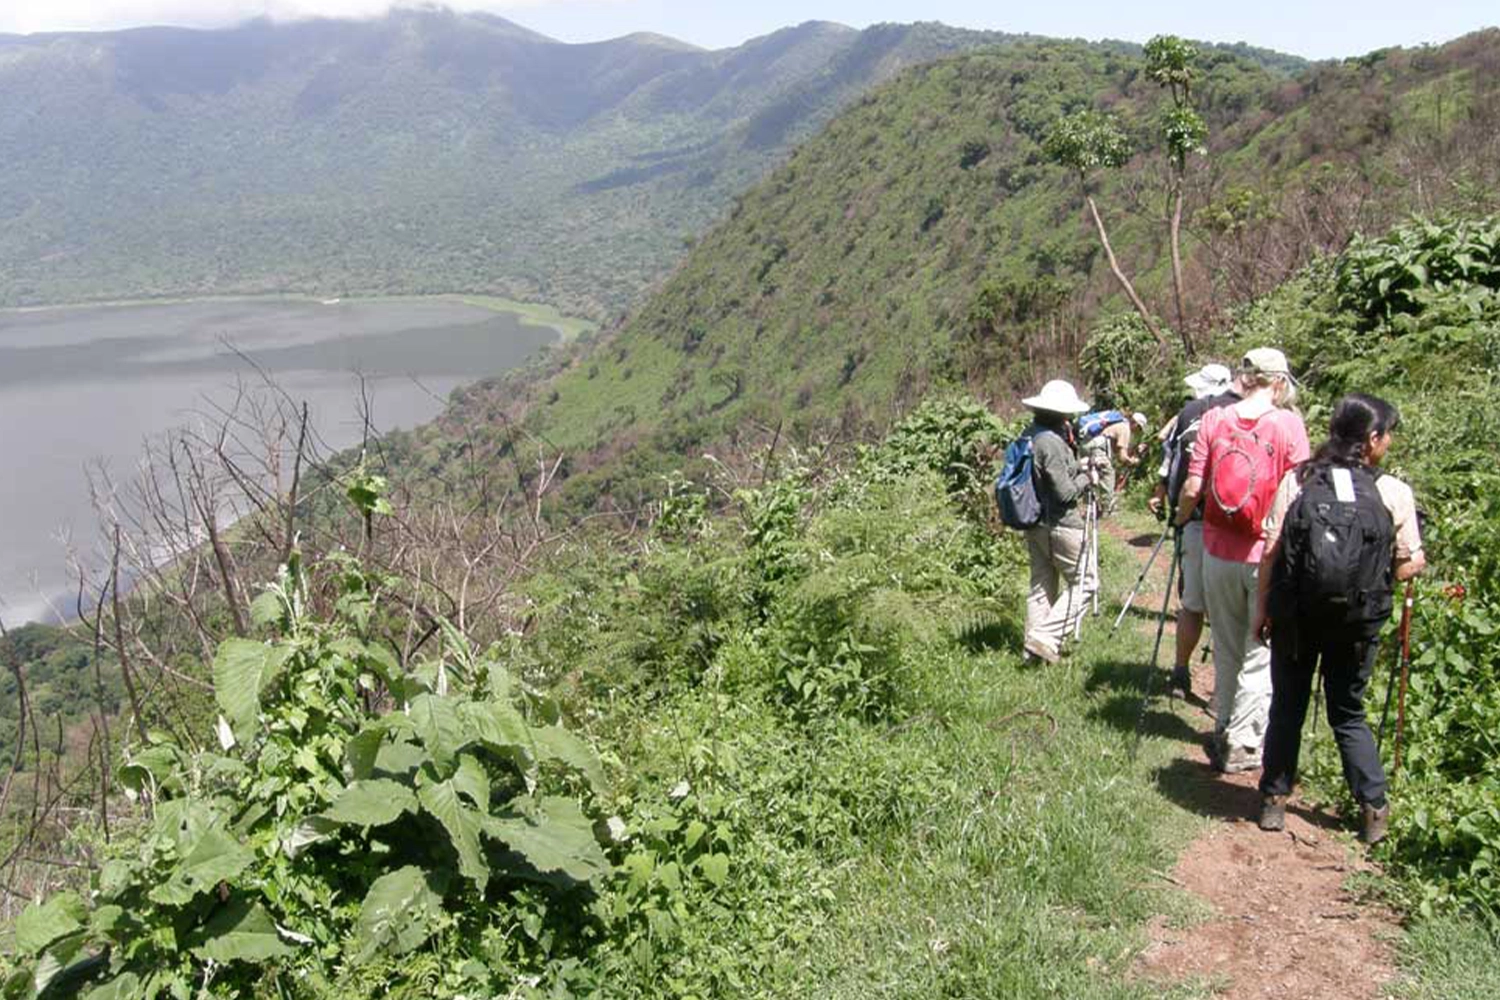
(1190, 563)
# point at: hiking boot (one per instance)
(1214, 747)
(1182, 680)
(1042, 651)
(1239, 759)
(1273, 812)
(1373, 822)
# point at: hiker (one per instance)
(1060, 580)
(1104, 440)
(1239, 458)
(1213, 386)
(1325, 592)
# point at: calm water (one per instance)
(79, 386)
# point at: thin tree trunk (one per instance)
(1114, 265)
(1182, 330)
(125, 673)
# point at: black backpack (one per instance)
(1337, 542)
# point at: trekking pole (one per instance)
(1405, 669)
(1141, 580)
(1090, 575)
(1390, 688)
(1094, 558)
(1161, 628)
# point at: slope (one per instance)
(922, 238)
(425, 151)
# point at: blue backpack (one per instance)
(1090, 425)
(1015, 490)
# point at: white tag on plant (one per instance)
(1343, 485)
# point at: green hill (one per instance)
(923, 239)
(425, 151)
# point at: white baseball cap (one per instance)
(1210, 380)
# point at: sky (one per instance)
(1313, 28)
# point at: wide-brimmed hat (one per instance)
(1210, 380)
(1266, 361)
(1057, 396)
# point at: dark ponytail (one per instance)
(1355, 417)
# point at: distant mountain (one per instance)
(423, 151)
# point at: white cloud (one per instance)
(26, 16)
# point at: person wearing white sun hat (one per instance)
(1059, 578)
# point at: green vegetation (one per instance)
(1415, 317)
(823, 769)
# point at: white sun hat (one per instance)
(1139, 419)
(1057, 396)
(1210, 380)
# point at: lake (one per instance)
(81, 385)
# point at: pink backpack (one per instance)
(1242, 477)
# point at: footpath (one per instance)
(1281, 914)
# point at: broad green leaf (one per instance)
(215, 858)
(242, 931)
(398, 913)
(123, 987)
(715, 867)
(463, 826)
(242, 668)
(399, 760)
(472, 780)
(55, 958)
(266, 609)
(556, 743)
(558, 839)
(438, 725)
(361, 750)
(40, 924)
(495, 724)
(372, 803)
(312, 830)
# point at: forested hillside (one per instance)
(925, 238)
(425, 151)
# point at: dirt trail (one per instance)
(1283, 924)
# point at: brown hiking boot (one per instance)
(1273, 812)
(1239, 759)
(1042, 651)
(1182, 680)
(1373, 822)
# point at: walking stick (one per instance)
(1094, 551)
(1140, 580)
(1405, 669)
(1161, 628)
(1396, 665)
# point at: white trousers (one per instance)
(1242, 666)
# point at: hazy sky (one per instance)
(1314, 28)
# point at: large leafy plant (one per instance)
(325, 833)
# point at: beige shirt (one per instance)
(1119, 438)
(1395, 494)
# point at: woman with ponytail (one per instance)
(1338, 537)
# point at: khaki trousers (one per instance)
(1061, 585)
(1242, 666)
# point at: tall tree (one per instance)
(1169, 62)
(1085, 142)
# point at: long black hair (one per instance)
(1355, 417)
